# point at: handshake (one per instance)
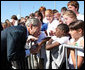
(38, 45)
(31, 38)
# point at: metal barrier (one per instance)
(72, 47)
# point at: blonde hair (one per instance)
(49, 11)
(70, 14)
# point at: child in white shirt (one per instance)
(77, 34)
(52, 24)
(55, 45)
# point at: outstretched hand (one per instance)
(44, 40)
(39, 45)
(30, 37)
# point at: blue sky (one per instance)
(9, 8)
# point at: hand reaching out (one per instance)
(31, 38)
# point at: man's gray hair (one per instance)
(33, 21)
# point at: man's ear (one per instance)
(76, 9)
(80, 30)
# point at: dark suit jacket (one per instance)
(13, 40)
(1, 27)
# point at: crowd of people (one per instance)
(36, 41)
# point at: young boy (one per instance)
(74, 6)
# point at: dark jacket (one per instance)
(1, 27)
(13, 40)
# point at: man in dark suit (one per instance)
(13, 40)
(1, 27)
